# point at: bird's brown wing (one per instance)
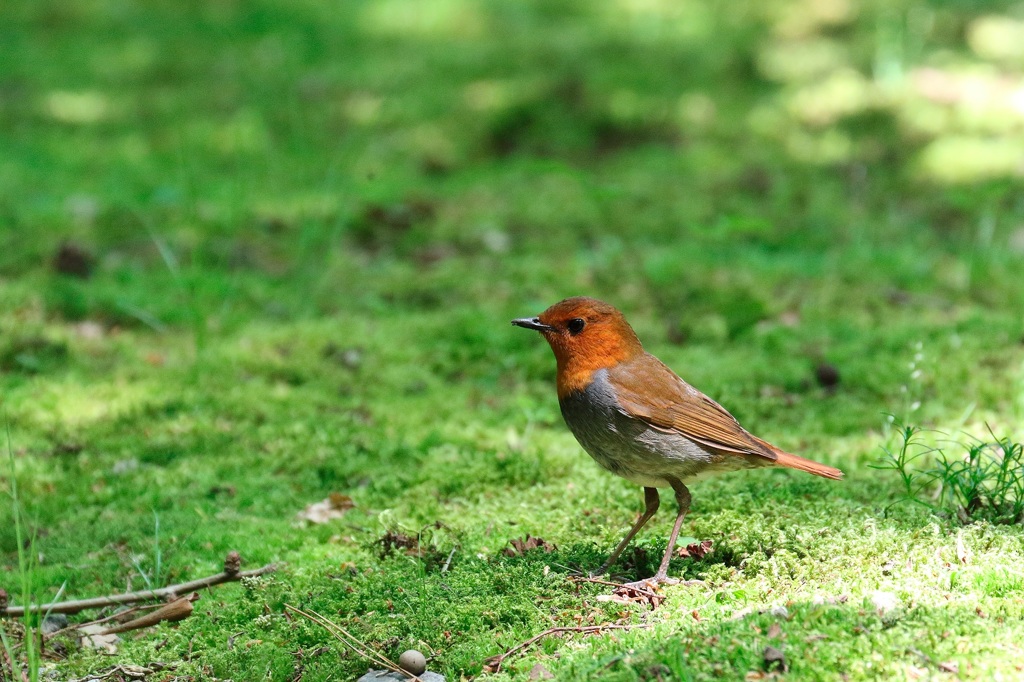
(647, 389)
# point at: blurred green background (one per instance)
(252, 253)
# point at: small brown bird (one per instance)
(639, 420)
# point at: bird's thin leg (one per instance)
(651, 503)
(683, 500)
(661, 577)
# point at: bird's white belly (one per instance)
(631, 448)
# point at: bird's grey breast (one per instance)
(629, 446)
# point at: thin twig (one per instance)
(134, 672)
(98, 621)
(494, 663)
(141, 595)
(348, 639)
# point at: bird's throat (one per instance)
(576, 369)
(573, 379)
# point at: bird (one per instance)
(639, 420)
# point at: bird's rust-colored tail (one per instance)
(791, 461)
(785, 459)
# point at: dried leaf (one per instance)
(774, 631)
(627, 594)
(697, 550)
(333, 507)
(950, 667)
(521, 546)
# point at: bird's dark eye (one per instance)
(575, 326)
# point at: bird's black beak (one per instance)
(533, 323)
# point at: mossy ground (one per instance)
(311, 223)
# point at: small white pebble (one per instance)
(779, 611)
(885, 602)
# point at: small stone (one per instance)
(123, 466)
(779, 611)
(885, 602)
(413, 662)
(54, 622)
(774, 659)
(71, 259)
(827, 376)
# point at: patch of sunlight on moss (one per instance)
(768, 120)
(412, 18)
(628, 105)
(924, 118)
(803, 60)
(72, 405)
(1019, 381)
(999, 582)
(981, 99)
(428, 139)
(665, 9)
(997, 37)
(842, 93)
(77, 107)
(961, 159)
(362, 107)
(126, 58)
(133, 147)
(488, 95)
(245, 132)
(298, 206)
(831, 146)
(661, 19)
(496, 94)
(696, 110)
(802, 19)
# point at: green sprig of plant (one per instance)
(26, 565)
(973, 479)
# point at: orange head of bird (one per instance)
(586, 335)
